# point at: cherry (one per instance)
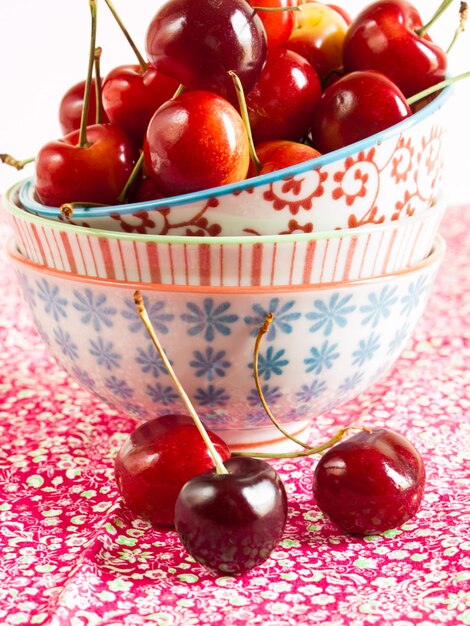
(231, 522)
(131, 96)
(198, 41)
(371, 482)
(277, 24)
(278, 154)
(386, 37)
(354, 107)
(156, 460)
(195, 141)
(146, 190)
(318, 36)
(71, 105)
(281, 103)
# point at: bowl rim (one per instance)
(20, 213)
(249, 183)
(433, 259)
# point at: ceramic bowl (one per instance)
(387, 176)
(299, 259)
(326, 344)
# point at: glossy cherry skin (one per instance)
(146, 190)
(198, 41)
(71, 105)
(156, 460)
(356, 106)
(277, 24)
(318, 36)
(231, 522)
(277, 154)
(196, 141)
(383, 38)
(96, 173)
(281, 103)
(369, 483)
(131, 96)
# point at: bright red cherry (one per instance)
(277, 24)
(198, 41)
(276, 155)
(281, 103)
(71, 105)
(95, 173)
(231, 522)
(132, 95)
(371, 482)
(196, 141)
(356, 106)
(156, 460)
(384, 37)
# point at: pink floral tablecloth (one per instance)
(70, 553)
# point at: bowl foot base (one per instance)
(268, 439)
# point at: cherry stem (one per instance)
(137, 167)
(18, 165)
(139, 303)
(246, 118)
(68, 208)
(82, 138)
(143, 64)
(463, 14)
(275, 9)
(262, 331)
(99, 104)
(178, 91)
(439, 11)
(437, 87)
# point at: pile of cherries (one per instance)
(230, 511)
(233, 89)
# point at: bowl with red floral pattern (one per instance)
(385, 177)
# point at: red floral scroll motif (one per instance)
(295, 193)
(359, 178)
(427, 175)
(138, 222)
(402, 160)
(404, 205)
(294, 227)
(368, 218)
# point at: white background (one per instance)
(44, 48)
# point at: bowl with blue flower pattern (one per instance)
(327, 343)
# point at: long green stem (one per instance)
(99, 103)
(139, 303)
(82, 138)
(245, 117)
(137, 167)
(437, 87)
(126, 34)
(463, 15)
(439, 11)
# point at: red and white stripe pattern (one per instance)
(303, 261)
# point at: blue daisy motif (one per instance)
(272, 364)
(135, 409)
(83, 377)
(65, 343)
(104, 353)
(212, 396)
(350, 383)
(398, 339)
(321, 358)
(119, 387)
(156, 313)
(310, 392)
(271, 395)
(413, 297)
(150, 361)
(366, 350)
(53, 303)
(211, 363)
(94, 309)
(297, 411)
(27, 291)
(209, 319)
(283, 316)
(327, 315)
(379, 306)
(161, 394)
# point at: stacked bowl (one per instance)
(341, 249)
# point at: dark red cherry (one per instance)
(371, 482)
(71, 105)
(231, 522)
(156, 460)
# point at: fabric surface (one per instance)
(70, 552)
